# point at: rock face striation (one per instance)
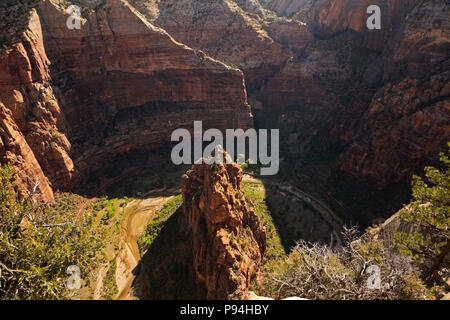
(371, 104)
(73, 101)
(227, 238)
(31, 120)
(229, 31)
(377, 98)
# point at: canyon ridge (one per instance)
(91, 111)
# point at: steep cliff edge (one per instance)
(81, 100)
(386, 109)
(30, 114)
(227, 30)
(370, 104)
(215, 240)
(228, 240)
(330, 84)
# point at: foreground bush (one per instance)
(38, 242)
(361, 269)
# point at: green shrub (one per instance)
(255, 192)
(110, 284)
(39, 241)
(155, 226)
(429, 212)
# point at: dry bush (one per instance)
(316, 271)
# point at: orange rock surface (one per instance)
(79, 98)
(228, 240)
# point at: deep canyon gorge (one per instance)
(359, 111)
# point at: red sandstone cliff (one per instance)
(382, 94)
(223, 29)
(378, 98)
(228, 240)
(213, 245)
(75, 99)
(321, 74)
(31, 118)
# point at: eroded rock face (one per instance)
(231, 31)
(228, 241)
(31, 121)
(321, 75)
(286, 7)
(380, 97)
(80, 98)
(406, 122)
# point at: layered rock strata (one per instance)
(76, 99)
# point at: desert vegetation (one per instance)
(157, 223)
(429, 212)
(316, 271)
(39, 241)
(14, 17)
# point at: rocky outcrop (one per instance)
(287, 7)
(433, 270)
(251, 7)
(212, 246)
(82, 98)
(31, 118)
(224, 30)
(387, 230)
(228, 241)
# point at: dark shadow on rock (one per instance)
(295, 219)
(167, 264)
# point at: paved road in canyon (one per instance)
(327, 214)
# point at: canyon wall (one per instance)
(376, 100)
(370, 104)
(223, 30)
(74, 100)
(387, 104)
(31, 137)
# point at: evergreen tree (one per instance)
(430, 213)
